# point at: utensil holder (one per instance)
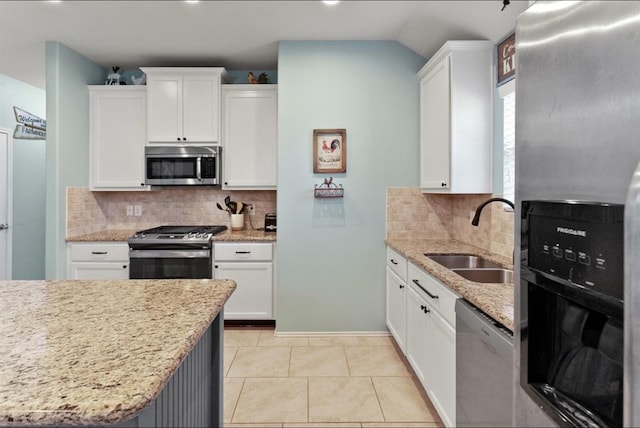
(237, 221)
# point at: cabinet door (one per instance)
(418, 337)
(250, 137)
(117, 138)
(442, 389)
(99, 270)
(396, 308)
(435, 128)
(253, 296)
(201, 109)
(164, 108)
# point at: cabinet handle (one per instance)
(243, 252)
(416, 282)
(401, 286)
(215, 266)
(142, 184)
(424, 309)
(184, 138)
(443, 184)
(124, 266)
(178, 138)
(393, 261)
(100, 253)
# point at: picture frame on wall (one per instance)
(506, 59)
(329, 150)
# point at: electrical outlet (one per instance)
(129, 210)
(137, 210)
(252, 210)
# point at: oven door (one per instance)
(170, 264)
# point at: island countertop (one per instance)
(96, 352)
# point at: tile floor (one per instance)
(328, 381)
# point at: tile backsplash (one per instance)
(89, 212)
(414, 215)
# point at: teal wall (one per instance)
(67, 76)
(330, 262)
(28, 180)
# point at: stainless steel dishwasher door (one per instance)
(484, 369)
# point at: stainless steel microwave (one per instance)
(183, 166)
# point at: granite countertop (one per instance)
(96, 352)
(496, 300)
(245, 235)
(103, 235)
(124, 234)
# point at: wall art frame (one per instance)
(329, 150)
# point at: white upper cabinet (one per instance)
(117, 137)
(456, 119)
(250, 136)
(183, 104)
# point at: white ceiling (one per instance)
(238, 35)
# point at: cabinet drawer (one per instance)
(243, 251)
(397, 263)
(99, 251)
(439, 296)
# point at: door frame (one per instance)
(9, 200)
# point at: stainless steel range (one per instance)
(172, 252)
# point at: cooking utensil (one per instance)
(233, 206)
(240, 207)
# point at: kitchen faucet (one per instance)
(476, 217)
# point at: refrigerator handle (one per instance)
(632, 302)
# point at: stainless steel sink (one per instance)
(486, 275)
(466, 261)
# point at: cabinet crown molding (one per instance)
(454, 46)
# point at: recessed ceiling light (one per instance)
(330, 2)
(192, 1)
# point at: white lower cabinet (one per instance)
(250, 265)
(418, 327)
(396, 301)
(430, 345)
(97, 260)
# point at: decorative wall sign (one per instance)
(506, 51)
(329, 189)
(30, 126)
(329, 150)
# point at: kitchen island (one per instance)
(120, 353)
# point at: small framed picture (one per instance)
(329, 150)
(506, 53)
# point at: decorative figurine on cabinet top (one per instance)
(114, 77)
(262, 78)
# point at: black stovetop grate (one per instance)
(176, 230)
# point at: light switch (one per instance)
(137, 209)
(129, 210)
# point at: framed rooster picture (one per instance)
(329, 150)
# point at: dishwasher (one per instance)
(484, 369)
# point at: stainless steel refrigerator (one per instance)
(578, 138)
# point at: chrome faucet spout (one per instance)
(476, 217)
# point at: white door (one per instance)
(5, 204)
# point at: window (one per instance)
(507, 93)
(508, 151)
